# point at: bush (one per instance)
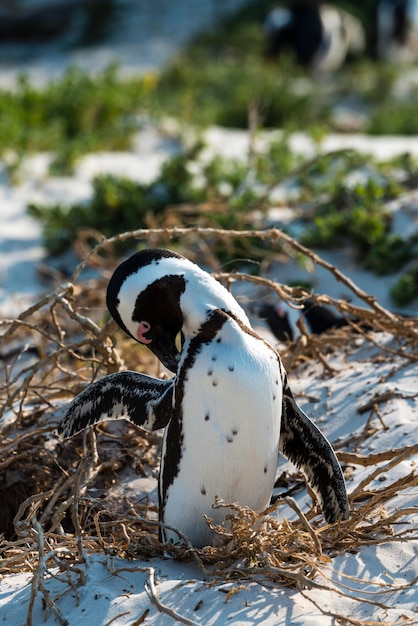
(394, 117)
(220, 90)
(405, 290)
(352, 213)
(117, 205)
(389, 254)
(74, 115)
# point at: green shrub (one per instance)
(394, 117)
(117, 205)
(405, 290)
(353, 213)
(218, 79)
(277, 162)
(209, 90)
(356, 215)
(74, 115)
(389, 254)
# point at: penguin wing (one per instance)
(302, 443)
(140, 399)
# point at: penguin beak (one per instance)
(165, 348)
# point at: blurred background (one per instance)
(143, 34)
(234, 116)
(123, 114)
(46, 36)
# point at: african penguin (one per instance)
(277, 320)
(321, 318)
(397, 30)
(320, 35)
(228, 410)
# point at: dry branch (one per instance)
(57, 522)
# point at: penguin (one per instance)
(397, 30)
(320, 35)
(277, 320)
(228, 410)
(299, 28)
(40, 23)
(321, 318)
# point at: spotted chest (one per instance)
(230, 428)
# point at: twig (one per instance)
(377, 399)
(344, 619)
(406, 453)
(117, 617)
(378, 457)
(293, 505)
(274, 234)
(39, 585)
(152, 592)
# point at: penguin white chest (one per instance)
(222, 411)
(231, 410)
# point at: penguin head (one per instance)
(145, 302)
(157, 294)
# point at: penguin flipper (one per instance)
(302, 443)
(140, 399)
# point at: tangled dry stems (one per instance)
(52, 519)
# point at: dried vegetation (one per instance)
(58, 503)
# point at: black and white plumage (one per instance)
(397, 30)
(319, 319)
(320, 35)
(227, 412)
(277, 320)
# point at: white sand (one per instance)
(121, 598)
(376, 573)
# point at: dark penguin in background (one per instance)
(227, 412)
(277, 320)
(298, 28)
(397, 30)
(321, 318)
(39, 23)
(320, 36)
